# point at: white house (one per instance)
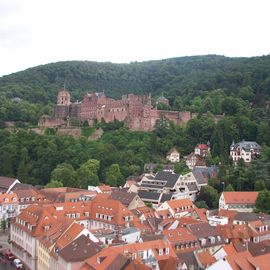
(246, 150)
(9, 206)
(173, 155)
(202, 149)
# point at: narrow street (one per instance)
(5, 264)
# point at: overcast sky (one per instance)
(34, 32)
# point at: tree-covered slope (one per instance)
(184, 76)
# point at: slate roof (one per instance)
(79, 250)
(203, 230)
(247, 145)
(6, 182)
(171, 178)
(245, 216)
(190, 260)
(152, 186)
(192, 187)
(166, 197)
(22, 186)
(124, 197)
(203, 174)
(257, 249)
(149, 195)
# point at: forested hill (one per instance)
(187, 77)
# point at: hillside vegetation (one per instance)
(185, 76)
(236, 87)
(198, 83)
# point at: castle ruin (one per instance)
(135, 110)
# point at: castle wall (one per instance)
(135, 110)
(48, 122)
(61, 111)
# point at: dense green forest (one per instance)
(37, 159)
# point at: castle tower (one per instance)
(62, 107)
(63, 98)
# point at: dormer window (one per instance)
(160, 252)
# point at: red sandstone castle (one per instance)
(136, 111)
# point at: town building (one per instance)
(73, 255)
(177, 208)
(242, 201)
(173, 155)
(202, 149)
(9, 206)
(245, 150)
(130, 199)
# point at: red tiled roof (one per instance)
(202, 146)
(240, 197)
(205, 258)
(179, 235)
(174, 204)
(8, 198)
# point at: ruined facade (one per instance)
(136, 111)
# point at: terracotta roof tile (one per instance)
(179, 203)
(240, 197)
(202, 146)
(8, 198)
(205, 258)
(69, 235)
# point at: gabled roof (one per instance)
(6, 182)
(246, 216)
(242, 260)
(205, 258)
(247, 145)
(202, 146)
(124, 197)
(108, 258)
(79, 250)
(105, 188)
(170, 178)
(180, 235)
(69, 235)
(153, 196)
(203, 174)
(29, 193)
(166, 197)
(203, 230)
(240, 197)
(49, 237)
(112, 208)
(36, 216)
(178, 203)
(172, 150)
